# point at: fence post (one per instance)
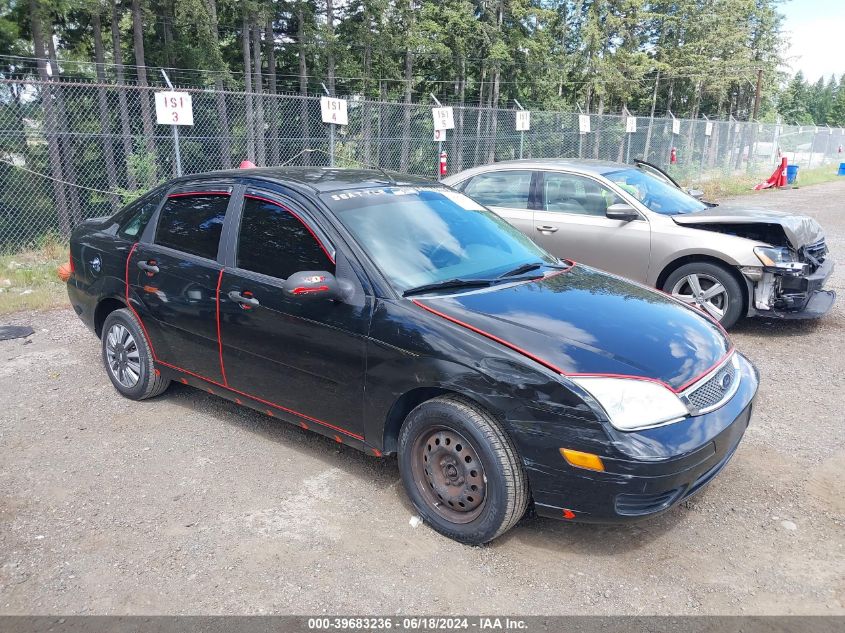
(176, 149)
(521, 132)
(331, 131)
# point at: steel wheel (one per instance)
(449, 474)
(704, 292)
(124, 361)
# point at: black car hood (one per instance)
(582, 321)
(799, 230)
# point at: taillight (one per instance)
(66, 270)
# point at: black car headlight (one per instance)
(632, 404)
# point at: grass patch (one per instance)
(818, 175)
(737, 185)
(28, 279)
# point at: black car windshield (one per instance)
(658, 195)
(424, 235)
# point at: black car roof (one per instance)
(320, 179)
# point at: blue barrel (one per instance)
(791, 174)
(842, 169)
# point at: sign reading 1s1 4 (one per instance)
(174, 108)
(334, 110)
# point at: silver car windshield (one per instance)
(424, 235)
(656, 194)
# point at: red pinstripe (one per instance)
(182, 194)
(220, 338)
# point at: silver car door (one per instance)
(571, 222)
(508, 193)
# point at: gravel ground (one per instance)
(190, 504)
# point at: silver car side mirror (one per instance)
(622, 211)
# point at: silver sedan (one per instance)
(635, 221)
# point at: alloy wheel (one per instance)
(124, 360)
(704, 292)
(449, 474)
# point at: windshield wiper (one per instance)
(473, 283)
(525, 268)
(449, 283)
(519, 270)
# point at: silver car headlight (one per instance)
(632, 404)
(772, 256)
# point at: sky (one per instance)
(816, 29)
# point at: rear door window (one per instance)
(510, 188)
(137, 216)
(274, 240)
(192, 223)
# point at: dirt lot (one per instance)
(190, 504)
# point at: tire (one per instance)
(477, 467)
(727, 307)
(124, 346)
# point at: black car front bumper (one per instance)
(636, 488)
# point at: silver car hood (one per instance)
(800, 230)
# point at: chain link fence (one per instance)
(70, 150)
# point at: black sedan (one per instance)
(398, 316)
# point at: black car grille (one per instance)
(717, 388)
(817, 251)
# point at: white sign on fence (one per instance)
(334, 110)
(708, 128)
(676, 126)
(443, 118)
(440, 135)
(523, 120)
(174, 108)
(583, 123)
(630, 124)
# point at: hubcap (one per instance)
(124, 361)
(449, 475)
(704, 292)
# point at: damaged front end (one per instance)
(793, 255)
(789, 283)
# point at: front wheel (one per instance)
(461, 471)
(711, 288)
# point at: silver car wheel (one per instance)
(704, 292)
(122, 353)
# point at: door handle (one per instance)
(246, 300)
(547, 229)
(148, 266)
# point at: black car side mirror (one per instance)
(313, 285)
(622, 211)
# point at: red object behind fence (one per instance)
(777, 179)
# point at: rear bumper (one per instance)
(636, 489)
